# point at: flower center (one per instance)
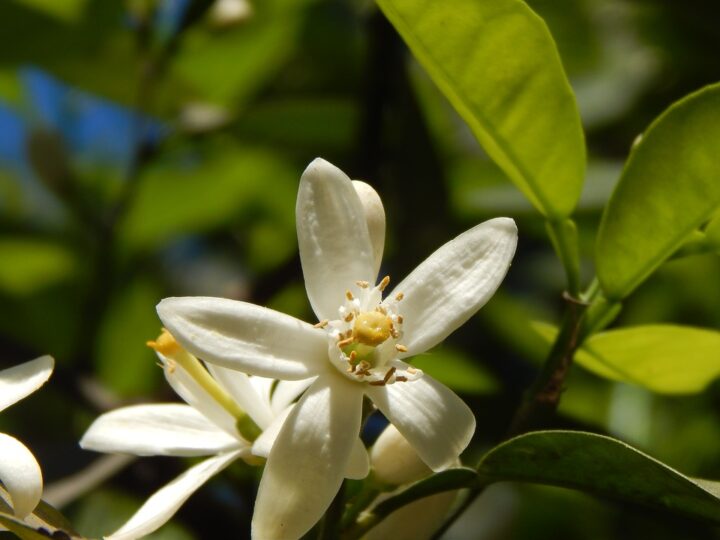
(363, 339)
(372, 328)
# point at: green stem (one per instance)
(543, 396)
(563, 235)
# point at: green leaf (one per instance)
(712, 232)
(124, 362)
(666, 359)
(456, 370)
(32, 264)
(195, 190)
(669, 188)
(508, 84)
(599, 465)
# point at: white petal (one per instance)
(308, 460)
(238, 385)
(454, 282)
(196, 396)
(19, 381)
(165, 429)
(246, 337)
(264, 443)
(434, 420)
(163, 504)
(359, 465)
(286, 392)
(375, 218)
(335, 247)
(21, 475)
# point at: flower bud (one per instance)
(394, 461)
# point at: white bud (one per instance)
(394, 461)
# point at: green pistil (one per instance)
(363, 353)
(247, 428)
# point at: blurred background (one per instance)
(151, 148)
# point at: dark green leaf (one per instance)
(599, 465)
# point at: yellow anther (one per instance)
(352, 357)
(165, 344)
(349, 295)
(401, 348)
(362, 284)
(399, 296)
(372, 328)
(321, 324)
(344, 342)
(411, 370)
(384, 283)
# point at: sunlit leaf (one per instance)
(456, 370)
(599, 465)
(508, 85)
(31, 264)
(664, 358)
(669, 188)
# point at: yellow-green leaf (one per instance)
(496, 62)
(669, 188)
(666, 359)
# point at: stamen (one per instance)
(384, 283)
(352, 357)
(400, 378)
(400, 319)
(411, 370)
(321, 324)
(401, 348)
(349, 316)
(399, 296)
(165, 344)
(389, 374)
(377, 383)
(349, 295)
(344, 342)
(381, 309)
(362, 284)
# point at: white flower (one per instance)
(357, 348)
(209, 425)
(19, 470)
